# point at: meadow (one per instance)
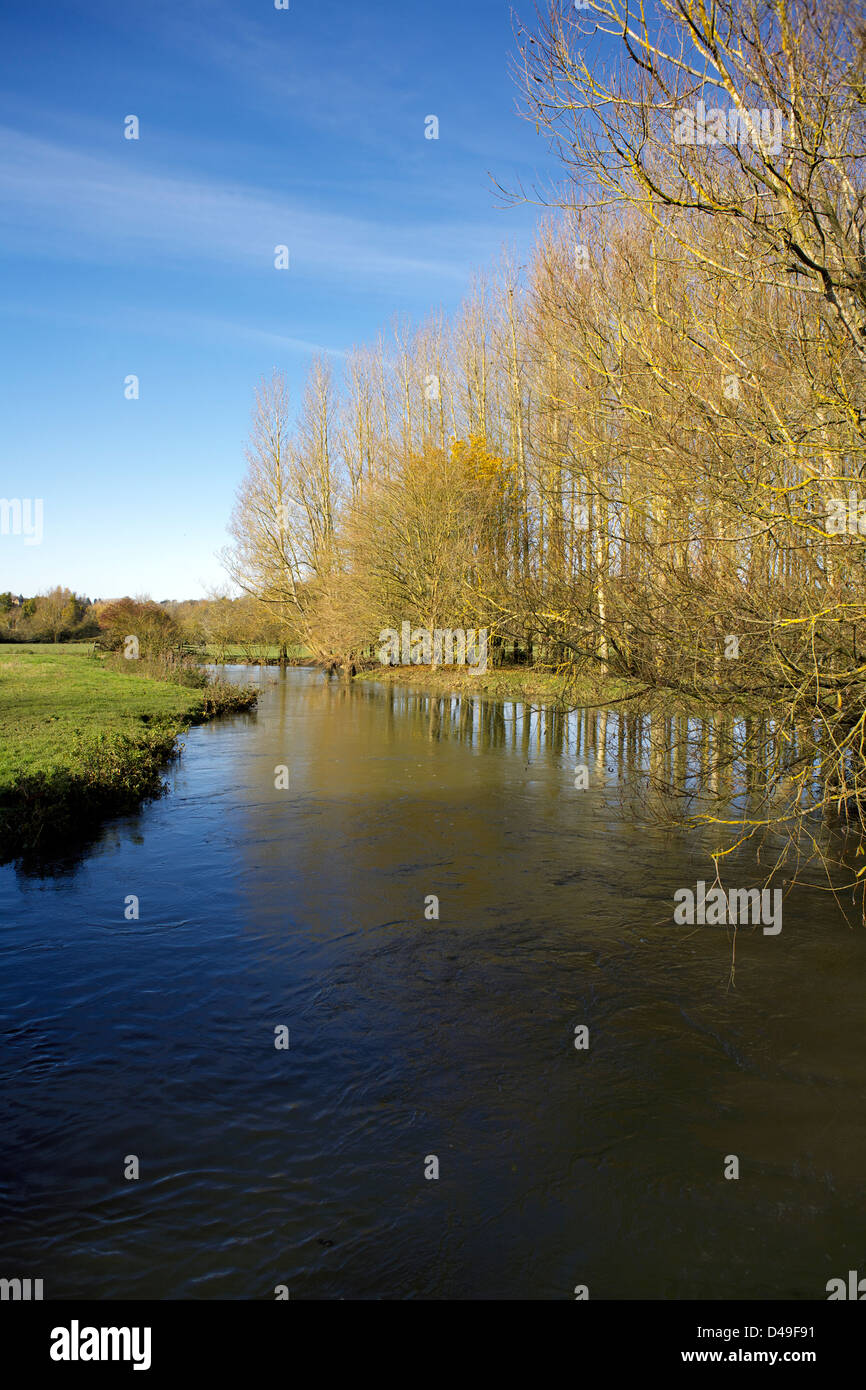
(82, 735)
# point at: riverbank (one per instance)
(510, 683)
(584, 691)
(81, 738)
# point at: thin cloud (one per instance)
(166, 322)
(83, 206)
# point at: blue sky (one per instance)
(155, 257)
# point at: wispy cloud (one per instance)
(68, 204)
(170, 323)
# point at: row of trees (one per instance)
(58, 615)
(643, 451)
(219, 625)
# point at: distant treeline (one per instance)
(58, 615)
(218, 624)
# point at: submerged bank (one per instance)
(586, 690)
(510, 683)
(81, 739)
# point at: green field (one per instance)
(52, 695)
(79, 737)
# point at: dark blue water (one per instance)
(412, 1038)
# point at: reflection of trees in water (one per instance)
(738, 778)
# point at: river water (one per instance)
(412, 1038)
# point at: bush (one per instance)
(157, 633)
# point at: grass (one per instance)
(509, 683)
(586, 690)
(82, 735)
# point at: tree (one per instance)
(283, 521)
(743, 112)
(155, 629)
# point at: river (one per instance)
(413, 1038)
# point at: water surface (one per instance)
(412, 1037)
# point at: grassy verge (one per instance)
(82, 736)
(583, 691)
(508, 683)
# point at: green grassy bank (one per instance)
(82, 736)
(508, 683)
(572, 691)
